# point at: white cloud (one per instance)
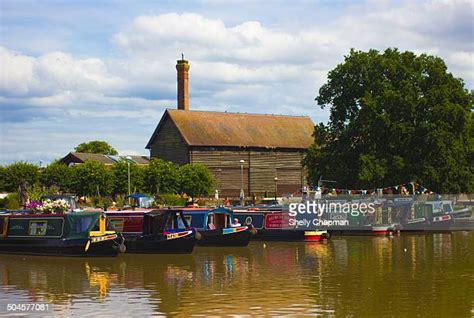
(211, 40)
(247, 66)
(53, 73)
(463, 64)
(16, 73)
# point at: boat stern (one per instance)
(104, 242)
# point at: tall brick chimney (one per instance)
(182, 67)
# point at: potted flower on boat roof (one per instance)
(56, 206)
(35, 206)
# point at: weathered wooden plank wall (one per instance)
(169, 145)
(260, 170)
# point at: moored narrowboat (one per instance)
(153, 232)
(216, 227)
(70, 234)
(435, 216)
(273, 223)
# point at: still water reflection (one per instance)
(428, 275)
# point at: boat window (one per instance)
(197, 220)
(170, 223)
(116, 224)
(437, 207)
(38, 228)
(423, 211)
(180, 222)
(189, 219)
(248, 220)
(447, 208)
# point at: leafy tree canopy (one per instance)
(91, 178)
(120, 177)
(196, 180)
(2, 178)
(161, 177)
(57, 174)
(394, 117)
(96, 146)
(20, 172)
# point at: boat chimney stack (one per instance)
(182, 67)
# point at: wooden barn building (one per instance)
(262, 152)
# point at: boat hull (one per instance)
(218, 238)
(382, 230)
(58, 247)
(440, 224)
(160, 244)
(315, 236)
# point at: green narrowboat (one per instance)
(70, 234)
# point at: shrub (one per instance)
(11, 202)
(170, 199)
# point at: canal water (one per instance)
(409, 275)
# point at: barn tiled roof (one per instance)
(81, 157)
(204, 128)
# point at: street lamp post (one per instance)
(242, 194)
(276, 188)
(128, 170)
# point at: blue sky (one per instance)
(73, 71)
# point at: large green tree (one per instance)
(196, 180)
(120, 175)
(161, 177)
(19, 173)
(394, 117)
(57, 174)
(91, 178)
(96, 146)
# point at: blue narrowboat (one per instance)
(217, 227)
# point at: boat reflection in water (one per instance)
(346, 277)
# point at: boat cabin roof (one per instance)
(69, 225)
(221, 210)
